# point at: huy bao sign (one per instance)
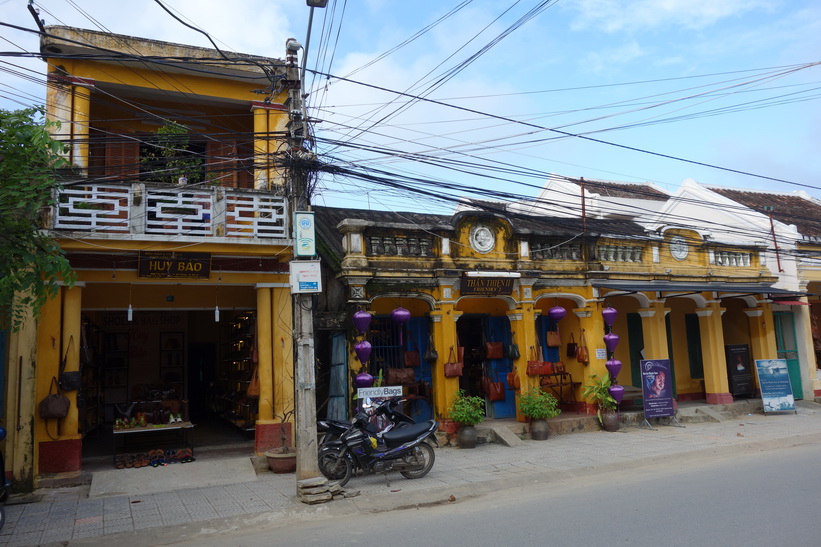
(171, 264)
(486, 285)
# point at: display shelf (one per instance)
(173, 362)
(115, 371)
(89, 398)
(228, 397)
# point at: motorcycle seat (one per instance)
(404, 434)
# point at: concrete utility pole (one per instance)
(304, 377)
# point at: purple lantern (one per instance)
(556, 313)
(617, 392)
(400, 316)
(363, 379)
(609, 314)
(363, 351)
(613, 366)
(611, 340)
(361, 320)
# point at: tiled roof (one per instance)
(786, 208)
(625, 190)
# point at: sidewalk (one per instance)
(67, 514)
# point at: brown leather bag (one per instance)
(453, 367)
(253, 385)
(513, 380)
(537, 367)
(411, 356)
(494, 350)
(400, 376)
(554, 340)
(494, 389)
(582, 354)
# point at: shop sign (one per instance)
(378, 392)
(486, 285)
(305, 276)
(774, 381)
(171, 264)
(305, 237)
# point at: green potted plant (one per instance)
(283, 458)
(538, 405)
(467, 411)
(598, 392)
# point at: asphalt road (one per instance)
(745, 498)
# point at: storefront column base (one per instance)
(61, 456)
(719, 398)
(271, 435)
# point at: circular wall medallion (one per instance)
(679, 248)
(482, 239)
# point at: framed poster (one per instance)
(739, 371)
(774, 381)
(656, 388)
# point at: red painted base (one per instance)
(816, 392)
(691, 396)
(719, 398)
(60, 456)
(268, 436)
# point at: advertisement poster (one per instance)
(739, 371)
(656, 388)
(774, 380)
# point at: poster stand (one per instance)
(672, 421)
(774, 382)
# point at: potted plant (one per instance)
(598, 391)
(467, 411)
(538, 406)
(283, 458)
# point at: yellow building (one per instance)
(176, 219)
(504, 276)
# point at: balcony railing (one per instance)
(140, 209)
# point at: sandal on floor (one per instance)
(119, 461)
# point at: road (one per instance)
(746, 498)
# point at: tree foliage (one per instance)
(168, 157)
(31, 262)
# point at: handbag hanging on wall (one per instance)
(253, 385)
(453, 367)
(572, 347)
(495, 390)
(400, 376)
(554, 340)
(412, 355)
(54, 405)
(71, 380)
(493, 349)
(431, 355)
(582, 353)
(513, 380)
(537, 367)
(512, 351)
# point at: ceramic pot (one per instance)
(610, 420)
(281, 463)
(449, 426)
(467, 437)
(539, 430)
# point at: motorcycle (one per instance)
(4, 484)
(378, 424)
(405, 449)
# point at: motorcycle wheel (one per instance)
(424, 454)
(335, 466)
(2, 516)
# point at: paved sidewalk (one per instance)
(67, 515)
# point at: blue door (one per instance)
(420, 395)
(497, 329)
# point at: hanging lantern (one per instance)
(400, 316)
(609, 314)
(556, 313)
(617, 392)
(363, 379)
(363, 351)
(613, 366)
(611, 340)
(361, 320)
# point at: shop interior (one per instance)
(173, 366)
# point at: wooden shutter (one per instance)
(122, 159)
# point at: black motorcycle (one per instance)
(4, 485)
(405, 449)
(379, 423)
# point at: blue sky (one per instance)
(728, 83)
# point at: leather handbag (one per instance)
(582, 354)
(494, 389)
(553, 339)
(55, 405)
(411, 356)
(71, 380)
(512, 351)
(572, 347)
(513, 380)
(537, 367)
(253, 385)
(400, 376)
(493, 349)
(431, 354)
(453, 367)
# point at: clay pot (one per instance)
(280, 462)
(467, 437)
(539, 430)
(610, 420)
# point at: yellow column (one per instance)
(591, 321)
(47, 366)
(261, 150)
(523, 328)
(762, 332)
(716, 383)
(654, 327)
(72, 299)
(444, 338)
(81, 115)
(283, 350)
(265, 365)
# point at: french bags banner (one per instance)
(656, 388)
(774, 380)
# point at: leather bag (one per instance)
(513, 380)
(253, 385)
(71, 380)
(400, 376)
(572, 347)
(494, 389)
(554, 340)
(55, 405)
(431, 354)
(493, 349)
(537, 367)
(411, 356)
(453, 367)
(582, 354)
(512, 351)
